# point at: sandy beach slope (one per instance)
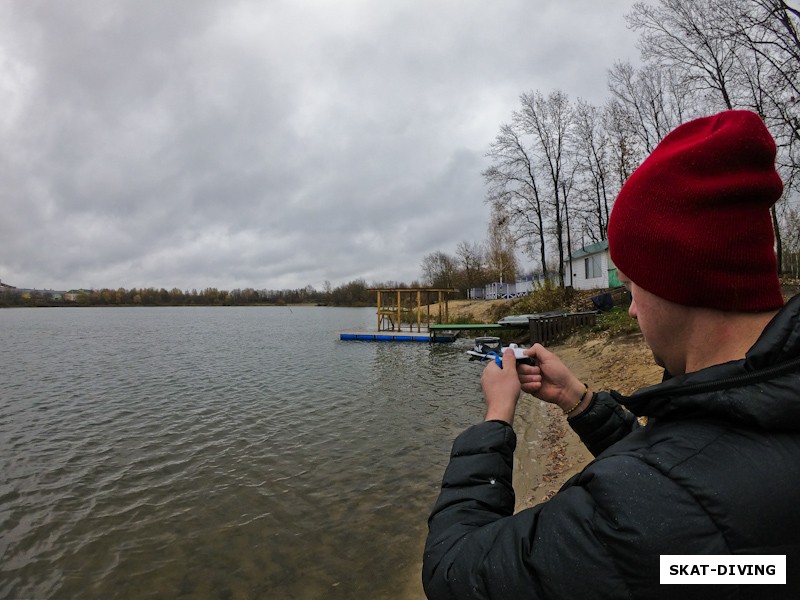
(548, 451)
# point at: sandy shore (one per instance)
(548, 451)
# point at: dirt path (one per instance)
(477, 310)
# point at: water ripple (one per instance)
(218, 452)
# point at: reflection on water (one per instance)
(219, 452)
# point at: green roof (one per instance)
(591, 249)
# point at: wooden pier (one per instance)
(396, 308)
(391, 306)
(435, 333)
(544, 328)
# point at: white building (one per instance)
(591, 268)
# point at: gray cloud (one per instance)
(266, 144)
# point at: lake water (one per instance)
(220, 452)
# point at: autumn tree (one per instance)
(439, 269)
(471, 261)
(501, 258)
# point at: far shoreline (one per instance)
(253, 304)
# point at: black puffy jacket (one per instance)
(715, 471)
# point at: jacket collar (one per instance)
(761, 390)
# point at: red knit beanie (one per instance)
(692, 224)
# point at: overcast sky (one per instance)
(267, 143)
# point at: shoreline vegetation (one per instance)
(355, 293)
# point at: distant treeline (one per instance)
(354, 293)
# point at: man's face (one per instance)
(663, 324)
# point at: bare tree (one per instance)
(624, 86)
(626, 154)
(685, 35)
(567, 190)
(768, 54)
(514, 187)
(656, 98)
(791, 249)
(593, 162)
(747, 52)
(549, 121)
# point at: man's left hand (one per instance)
(501, 389)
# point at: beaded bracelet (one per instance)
(583, 397)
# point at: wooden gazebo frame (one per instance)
(390, 302)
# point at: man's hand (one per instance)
(551, 380)
(501, 388)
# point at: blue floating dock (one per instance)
(400, 336)
(444, 333)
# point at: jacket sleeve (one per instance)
(477, 548)
(603, 423)
(598, 537)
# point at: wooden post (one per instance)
(380, 316)
(399, 321)
(428, 308)
(419, 311)
(386, 311)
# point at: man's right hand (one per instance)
(551, 380)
